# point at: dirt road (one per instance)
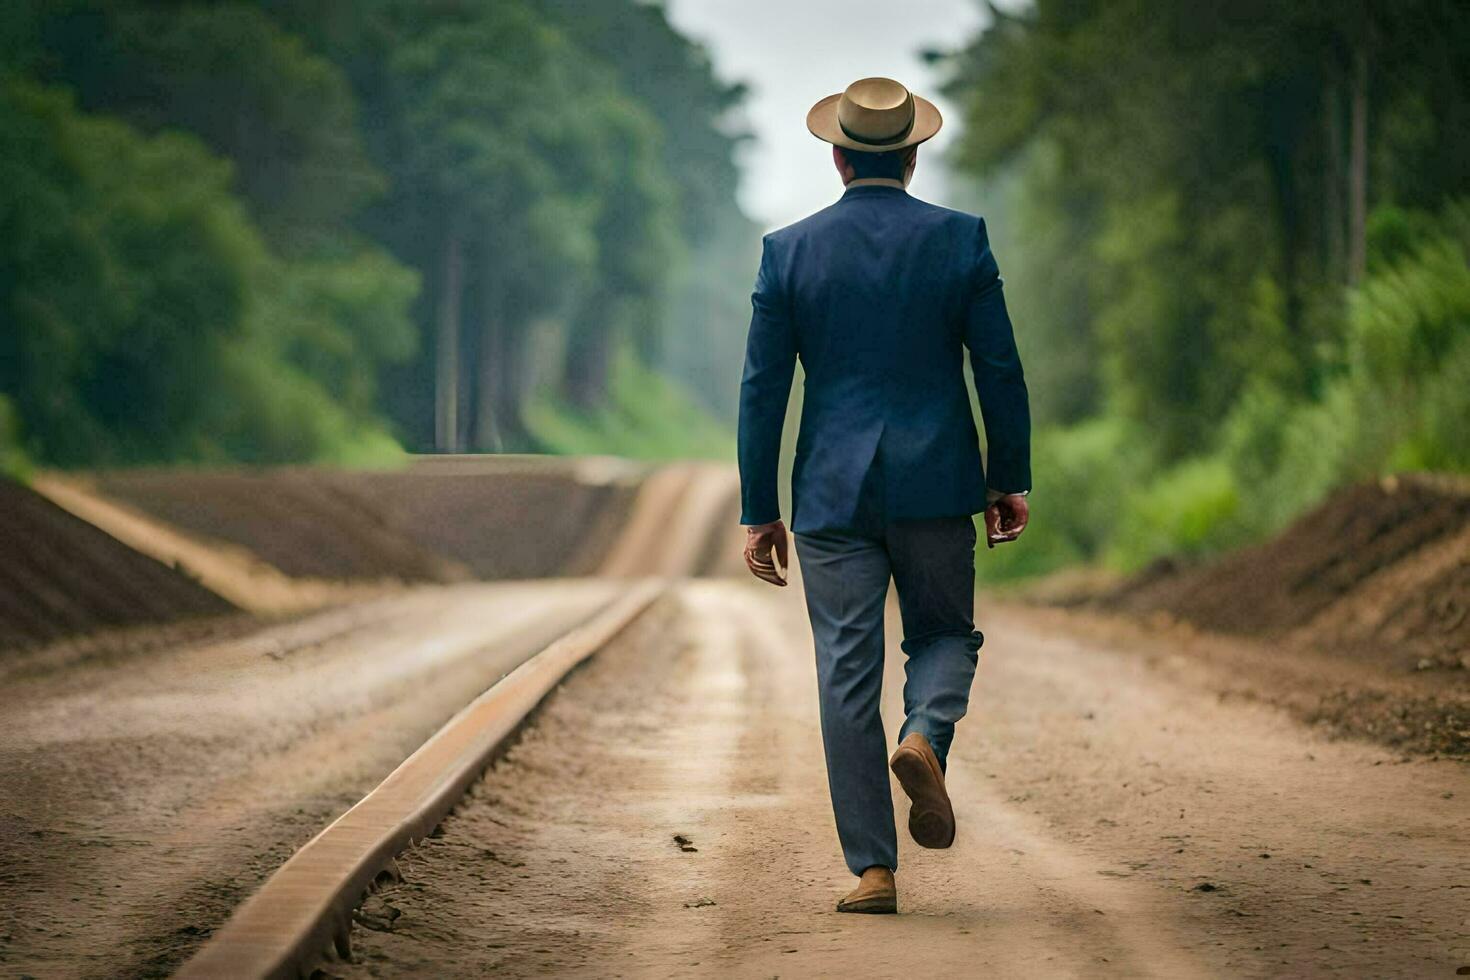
(1136, 798)
(667, 815)
(150, 780)
(142, 797)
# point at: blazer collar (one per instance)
(874, 187)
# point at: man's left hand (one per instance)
(1006, 519)
(765, 552)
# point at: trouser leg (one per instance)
(846, 582)
(933, 565)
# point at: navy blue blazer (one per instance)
(878, 295)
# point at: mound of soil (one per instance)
(60, 576)
(302, 524)
(516, 523)
(1378, 573)
(440, 520)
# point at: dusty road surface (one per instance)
(667, 815)
(144, 795)
(1136, 798)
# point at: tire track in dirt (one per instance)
(679, 511)
(1113, 823)
(141, 800)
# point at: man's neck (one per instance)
(876, 182)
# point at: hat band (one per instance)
(899, 137)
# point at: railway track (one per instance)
(680, 518)
(157, 786)
(284, 928)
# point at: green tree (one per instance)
(1214, 165)
(227, 73)
(530, 182)
(491, 102)
(694, 324)
(637, 238)
(513, 152)
(287, 120)
(131, 281)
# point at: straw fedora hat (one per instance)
(874, 115)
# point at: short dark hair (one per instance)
(888, 164)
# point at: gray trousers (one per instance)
(846, 575)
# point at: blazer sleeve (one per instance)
(999, 380)
(770, 361)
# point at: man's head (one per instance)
(875, 127)
(861, 165)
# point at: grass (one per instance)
(647, 416)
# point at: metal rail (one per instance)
(286, 928)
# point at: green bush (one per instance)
(146, 319)
(1285, 455)
(13, 461)
(1190, 509)
(1405, 318)
(647, 416)
(270, 411)
(1083, 474)
(1442, 437)
(1408, 349)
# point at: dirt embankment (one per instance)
(435, 521)
(1379, 573)
(89, 552)
(298, 521)
(60, 576)
(529, 524)
(1376, 580)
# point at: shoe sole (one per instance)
(870, 906)
(931, 817)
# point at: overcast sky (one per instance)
(794, 52)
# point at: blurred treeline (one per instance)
(277, 230)
(1235, 237)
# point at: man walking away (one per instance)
(879, 296)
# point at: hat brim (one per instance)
(822, 122)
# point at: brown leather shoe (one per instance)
(876, 894)
(931, 818)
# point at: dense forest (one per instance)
(277, 230)
(1235, 237)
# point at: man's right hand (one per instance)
(1005, 519)
(765, 552)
